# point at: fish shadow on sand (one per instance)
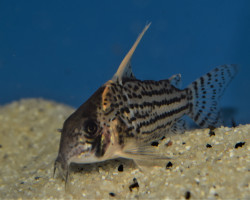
(105, 165)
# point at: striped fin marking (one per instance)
(205, 92)
(154, 104)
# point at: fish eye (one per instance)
(90, 127)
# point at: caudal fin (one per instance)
(205, 92)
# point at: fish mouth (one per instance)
(63, 168)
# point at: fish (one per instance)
(126, 114)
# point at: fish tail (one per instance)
(204, 95)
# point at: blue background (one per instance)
(65, 50)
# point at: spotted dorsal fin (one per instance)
(124, 71)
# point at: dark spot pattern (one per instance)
(152, 107)
(239, 144)
(206, 92)
(143, 104)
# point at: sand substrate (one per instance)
(204, 164)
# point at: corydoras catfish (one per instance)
(125, 114)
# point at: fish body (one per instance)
(125, 114)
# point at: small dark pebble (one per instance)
(169, 143)
(22, 182)
(134, 185)
(187, 195)
(211, 133)
(209, 146)
(163, 138)
(169, 165)
(183, 143)
(155, 143)
(37, 177)
(112, 194)
(120, 168)
(239, 144)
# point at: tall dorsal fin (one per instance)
(124, 71)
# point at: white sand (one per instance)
(29, 145)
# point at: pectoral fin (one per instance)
(141, 151)
(145, 156)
